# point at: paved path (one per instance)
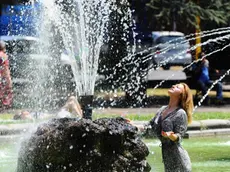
(196, 129)
(154, 110)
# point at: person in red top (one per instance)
(6, 93)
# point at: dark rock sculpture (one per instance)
(71, 145)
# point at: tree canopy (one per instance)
(181, 14)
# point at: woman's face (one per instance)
(176, 90)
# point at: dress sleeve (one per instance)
(180, 124)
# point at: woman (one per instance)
(170, 125)
(5, 79)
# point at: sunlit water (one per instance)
(207, 154)
(221, 35)
(79, 29)
(74, 30)
(9, 147)
(82, 29)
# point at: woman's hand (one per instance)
(170, 134)
(166, 134)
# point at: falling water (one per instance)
(190, 37)
(81, 27)
(182, 42)
(146, 58)
(211, 87)
(77, 30)
(195, 61)
(150, 52)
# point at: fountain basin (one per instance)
(68, 144)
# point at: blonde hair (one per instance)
(187, 101)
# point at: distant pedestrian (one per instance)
(6, 92)
(170, 125)
(204, 82)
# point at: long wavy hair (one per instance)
(187, 101)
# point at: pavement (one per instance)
(201, 128)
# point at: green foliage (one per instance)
(6, 116)
(164, 14)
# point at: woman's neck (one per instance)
(173, 103)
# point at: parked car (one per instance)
(35, 73)
(25, 57)
(170, 49)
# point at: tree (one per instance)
(168, 13)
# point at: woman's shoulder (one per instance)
(180, 113)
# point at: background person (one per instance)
(70, 109)
(23, 115)
(6, 92)
(204, 81)
(170, 125)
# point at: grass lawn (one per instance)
(8, 118)
(207, 154)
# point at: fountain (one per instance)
(73, 25)
(68, 145)
(80, 29)
(75, 29)
(86, 104)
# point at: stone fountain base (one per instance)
(70, 145)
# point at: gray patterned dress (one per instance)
(175, 158)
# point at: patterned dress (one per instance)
(175, 158)
(6, 93)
